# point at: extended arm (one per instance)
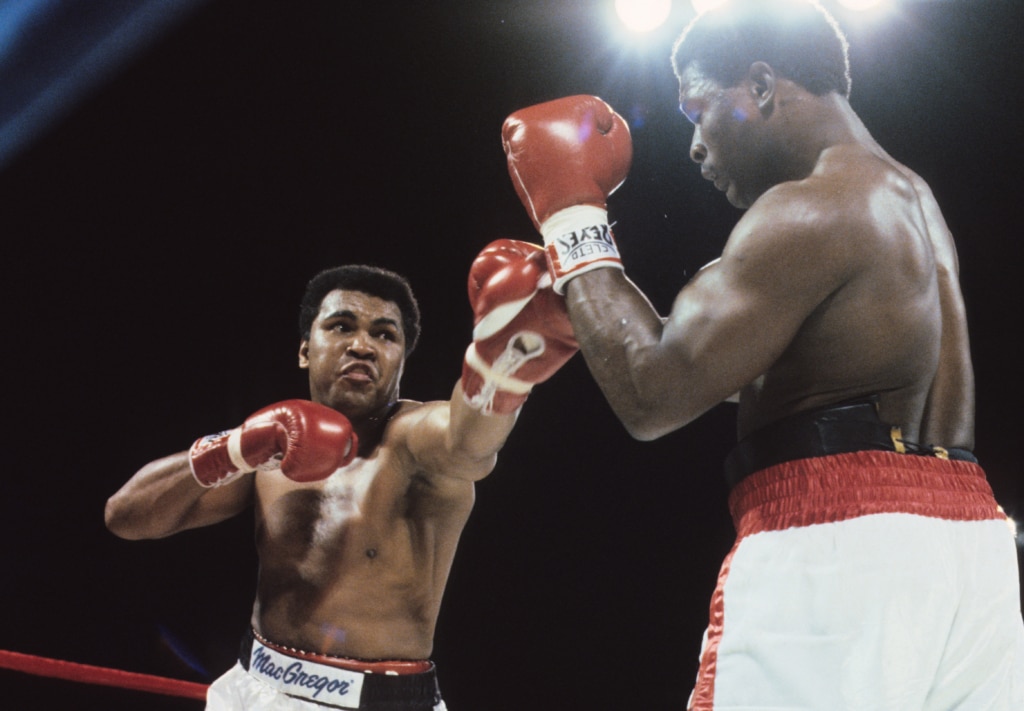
(521, 337)
(453, 439)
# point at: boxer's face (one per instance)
(726, 123)
(355, 353)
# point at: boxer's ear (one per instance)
(304, 354)
(761, 81)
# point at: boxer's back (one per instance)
(880, 330)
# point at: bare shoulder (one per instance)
(803, 229)
(935, 223)
(419, 427)
(407, 418)
(851, 192)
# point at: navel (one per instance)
(371, 553)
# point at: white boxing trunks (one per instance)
(270, 677)
(865, 581)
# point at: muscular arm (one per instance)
(726, 327)
(521, 337)
(455, 440)
(163, 498)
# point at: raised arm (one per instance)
(727, 326)
(565, 157)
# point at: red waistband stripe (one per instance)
(398, 667)
(805, 492)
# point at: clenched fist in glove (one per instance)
(565, 157)
(311, 440)
(521, 333)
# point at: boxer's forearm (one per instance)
(615, 325)
(163, 498)
(473, 434)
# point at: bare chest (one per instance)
(356, 506)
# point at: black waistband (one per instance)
(381, 692)
(837, 429)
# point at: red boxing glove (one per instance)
(565, 157)
(310, 440)
(521, 333)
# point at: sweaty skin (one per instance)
(839, 280)
(354, 565)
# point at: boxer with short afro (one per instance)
(873, 568)
(359, 496)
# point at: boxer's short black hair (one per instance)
(799, 39)
(374, 281)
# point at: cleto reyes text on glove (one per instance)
(565, 157)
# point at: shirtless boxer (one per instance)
(360, 497)
(873, 568)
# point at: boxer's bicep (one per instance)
(734, 320)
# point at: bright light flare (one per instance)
(1014, 526)
(705, 5)
(643, 15)
(1015, 529)
(860, 4)
(856, 5)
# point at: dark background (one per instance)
(158, 236)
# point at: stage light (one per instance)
(643, 15)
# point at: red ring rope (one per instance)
(88, 674)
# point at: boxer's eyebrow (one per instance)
(689, 109)
(345, 313)
(384, 321)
